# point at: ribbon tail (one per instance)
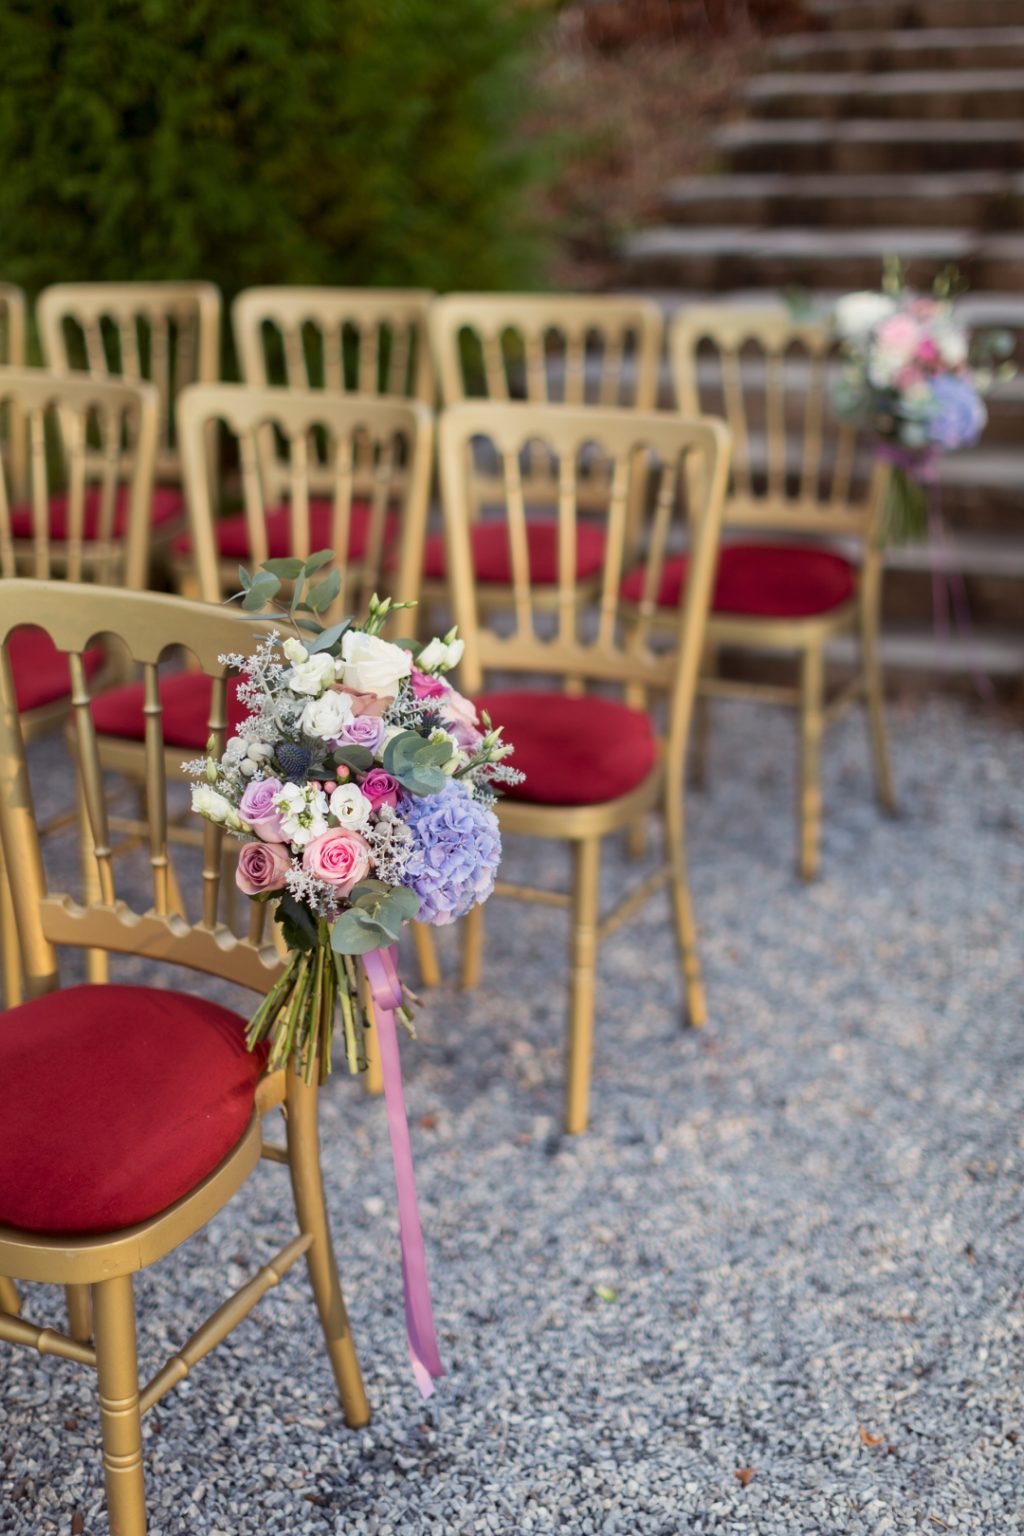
(419, 1317)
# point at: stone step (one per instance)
(969, 199)
(907, 95)
(910, 596)
(870, 147)
(915, 655)
(917, 48)
(722, 257)
(882, 15)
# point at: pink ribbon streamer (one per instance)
(419, 1318)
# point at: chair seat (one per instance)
(41, 672)
(573, 751)
(233, 534)
(168, 505)
(492, 560)
(772, 581)
(185, 698)
(117, 1102)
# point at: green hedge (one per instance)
(307, 141)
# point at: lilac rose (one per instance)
(257, 808)
(363, 731)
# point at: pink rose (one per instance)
(366, 703)
(900, 333)
(424, 687)
(458, 715)
(257, 808)
(262, 867)
(380, 788)
(338, 857)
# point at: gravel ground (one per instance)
(790, 1247)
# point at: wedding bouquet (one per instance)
(361, 786)
(915, 378)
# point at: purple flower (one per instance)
(957, 413)
(257, 808)
(363, 731)
(456, 851)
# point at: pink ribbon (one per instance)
(419, 1318)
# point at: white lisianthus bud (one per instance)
(454, 650)
(295, 651)
(350, 806)
(432, 655)
(324, 717)
(213, 805)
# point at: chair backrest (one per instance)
(95, 441)
(566, 348)
(13, 311)
(367, 341)
(168, 333)
(386, 443)
(122, 915)
(796, 467)
(666, 483)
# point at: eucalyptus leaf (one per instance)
(244, 579)
(356, 933)
(315, 561)
(288, 567)
(323, 594)
(329, 637)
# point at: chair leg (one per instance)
(636, 837)
(874, 693)
(702, 721)
(812, 727)
(582, 961)
(472, 948)
(308, 1190)
(97, 964)
(426, 954)
(78, 1299)
(682, 905)
(119, 1405)
(10, 1301)
(10, 954)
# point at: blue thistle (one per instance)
(293, 760)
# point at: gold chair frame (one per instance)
(13, 330)
(694, 459)
(124, 417)
(810, 497)
(97, 1271)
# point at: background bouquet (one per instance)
(360, 786)
(915, 378)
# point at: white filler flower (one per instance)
(303, 810)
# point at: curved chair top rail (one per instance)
(101, 434)
(796, 466)
(166, 332)
(569, 348)
(13, 312)
(373, 453)
(370, 340)
(147, 625)
(665, 479)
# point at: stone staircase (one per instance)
(896, 128)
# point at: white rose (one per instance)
(295, 651)
(325, 716)
(303, 811)
(373, 665)
(313, 675)
(952, 344)
(859, 313)
(214, 806)
(350, 806)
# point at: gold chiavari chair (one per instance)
(167, 332)
(99, 437)
(593, 765)
(786, 581)
(13, 313)
(394, 436)
(132, 1114)
(567, 348)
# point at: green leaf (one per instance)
(244, 579)
(263, 587)
(323, 594)
(358, 758)
(356, 933)
(331, 636)
(369, 890)
(605, 1292)
(288, 567)
(297, 923)
(314, 563)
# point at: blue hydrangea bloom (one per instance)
(957, 414)
(456, 849)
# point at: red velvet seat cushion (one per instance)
(776, 581)
(117, 1102)
(168, 504)
(185, 697)
(492, 560)
(573, 751)
(41, 673)
(233, 535)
